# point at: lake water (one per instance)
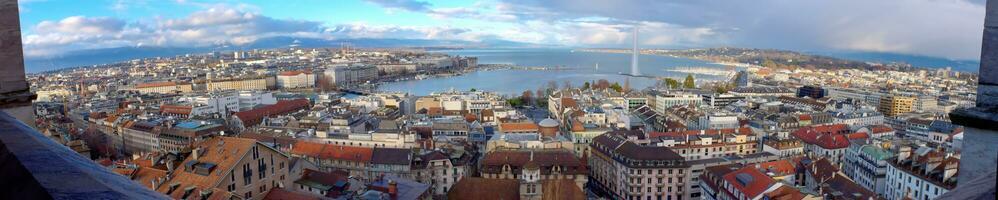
(582, 70)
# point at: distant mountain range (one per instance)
(111, 55)
(914, 60)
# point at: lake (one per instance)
(582, 70)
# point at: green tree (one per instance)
(585, 86)
(768, 63)
(616, 87)
(474, 90)
(690, 82)
(672, 83)
(515, 102)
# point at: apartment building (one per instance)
(226, 167)
(627, 170)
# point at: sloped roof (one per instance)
(255, 116)
(832, 136)
(485, 189)
(224, 153)
(749, 181)
(156, 84)
(391, 156)
(545, 159)
(332, 151)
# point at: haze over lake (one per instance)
(581, 64)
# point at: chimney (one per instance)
(169, 167)
(933, 162)
(393, 188)
(194, 154)
(950, 170)
(903, 153)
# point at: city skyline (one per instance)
(52, 28)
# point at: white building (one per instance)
(921, 175)
(867, 165)
(296, 79)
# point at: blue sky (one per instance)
(938, 28)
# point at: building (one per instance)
(180, 138)
(922, 174)
(720, 100)
(668, 100)
(363, 163)
(224, 166)
(828, 141)
(858, 118)
(332, 184)
(893, 105)
(784, 148)
(743, 79)
(442, 169)
(295, 79)
(141, 136)
(736, 182)
(704, 144)
(551, 165)
(866, 164)
(815, 92)
(350, 74)
(164, 87)
(249, 118)
(252, 83)
(627, 170)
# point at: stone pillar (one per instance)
(15, 96)
(980, 148)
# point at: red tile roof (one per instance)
(156, 84)
(749, 181)
(570, 164)
(332, 152)
(826, 136)
(175, 109)
(778, 167)
(518, 127)
(880, 128)
(294, 73)
(255, 116)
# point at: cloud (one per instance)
(942, 28)
(408, 5)
(946, 28)
(218, 25)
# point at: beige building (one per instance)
(296, 79)
(260, 83)
(227, 167)
(628, 170)
(164, 87)
(895, 105)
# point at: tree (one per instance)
(585, 86)
(690, 82)
(672, 83)
(616, 87)
(602, 84)
(768, 63)
(526, 96)
(474, 90)
(515, 102)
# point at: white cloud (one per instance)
(945, 28)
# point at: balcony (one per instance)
(35, 167)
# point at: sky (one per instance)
(949, 29)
